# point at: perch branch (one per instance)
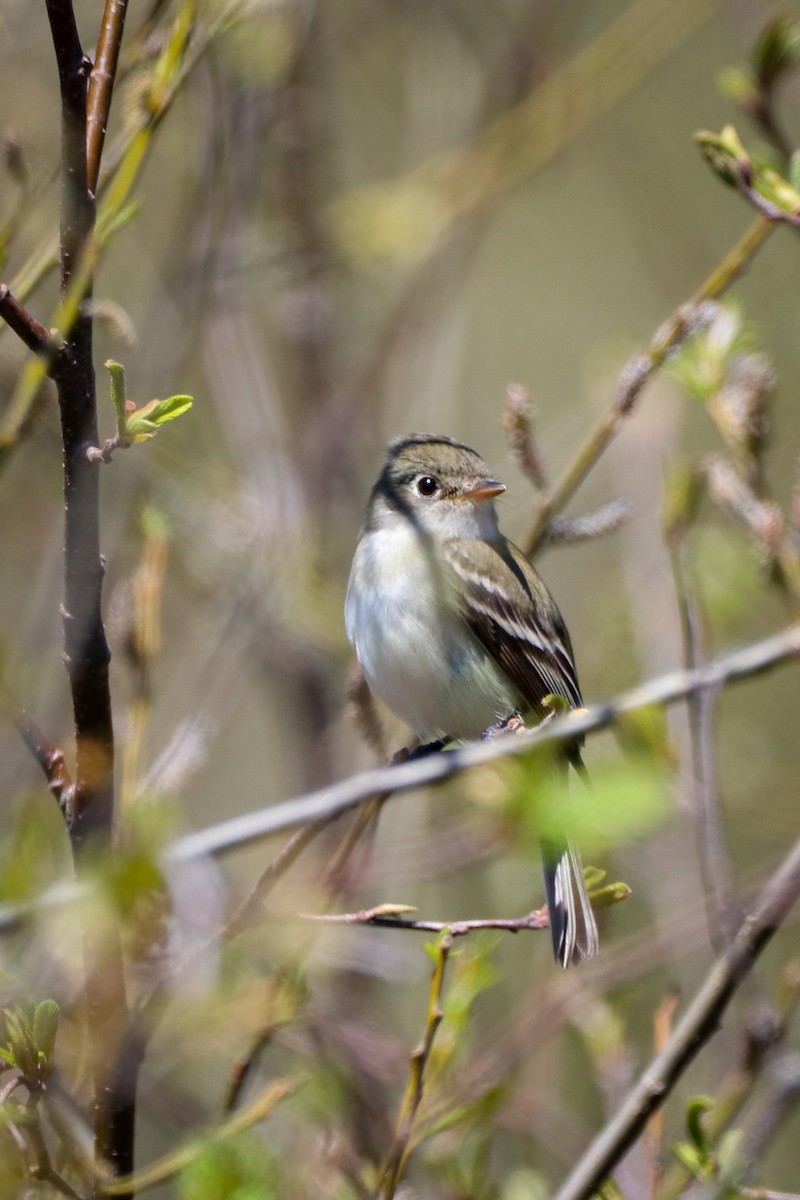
(327, 802)
(436, 768)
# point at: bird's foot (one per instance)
(512, 724)
(407, 755)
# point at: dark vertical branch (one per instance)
(101, 85)
(91, 811)
(86, 648)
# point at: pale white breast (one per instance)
(416, 652)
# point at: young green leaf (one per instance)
(45, 1025)
(143, 423)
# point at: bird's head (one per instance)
(438, 484)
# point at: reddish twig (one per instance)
(23, 323)
(51, 759)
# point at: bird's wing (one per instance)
(510, 611)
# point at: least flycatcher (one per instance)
(456, 632)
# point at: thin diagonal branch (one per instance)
(23, 323)
(326, 802)
(638, 374)
(699, 1024)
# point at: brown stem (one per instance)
(24, 324)
(101, 85)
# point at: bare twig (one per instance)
(250, 906)
(51, 759)
(518, 424)
(772, 212)
(696, 1028)
(101, 85)
(24, 325)
(764, 520)
(401, 777)
(326, 803)
(638, 373)
(387, 916)
(169, 1166)
(398, 1154)
(608, 518)
(663, 1019)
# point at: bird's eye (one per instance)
(427, 485)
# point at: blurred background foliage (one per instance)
(360, 219)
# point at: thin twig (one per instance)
(606, 519)
(398, 1153)
(382, 917)
(250, 906)
(328, 802)
(23, 323)
(169, 1166)
(746, 187)
(638, 373)
(101, 85)
(400, 777)
(518, 424)
(698, 1025)
(663, 1019)
(51, 759)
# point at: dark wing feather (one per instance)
(510, 611)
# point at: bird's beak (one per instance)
(487, 489)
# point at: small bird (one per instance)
(456, 632)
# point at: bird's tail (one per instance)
(572, 923)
